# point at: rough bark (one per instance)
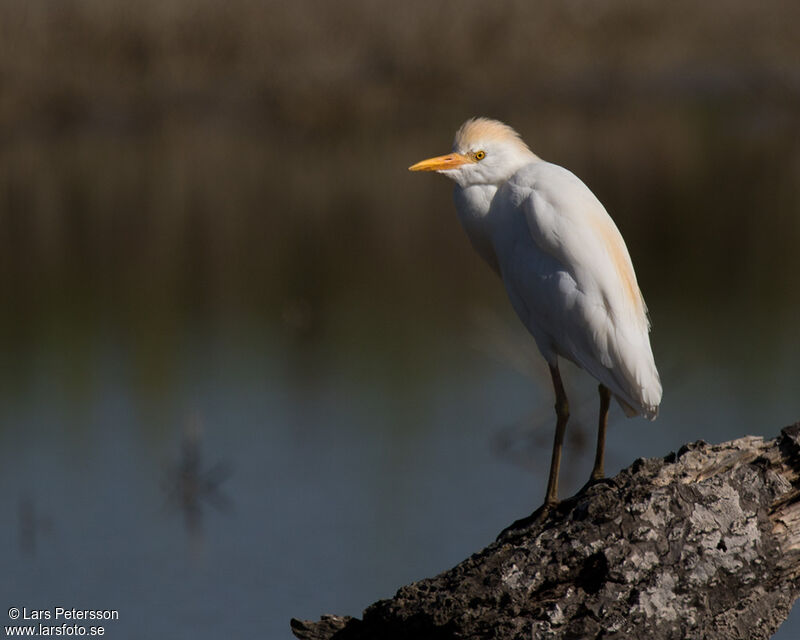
(704, 543)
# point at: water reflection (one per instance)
(521, 442)
(32, 525)
(189, 485)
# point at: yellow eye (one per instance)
(480, 155)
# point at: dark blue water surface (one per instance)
(258, 481)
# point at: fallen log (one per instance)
(704, 543)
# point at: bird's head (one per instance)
(484, 152)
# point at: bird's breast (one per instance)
(473, 204)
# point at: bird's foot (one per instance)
(595, 479)
(540, 514)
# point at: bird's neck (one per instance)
(473, 203)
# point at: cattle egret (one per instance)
(565, 268)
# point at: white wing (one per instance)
(569, 276)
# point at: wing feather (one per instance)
(571, 280)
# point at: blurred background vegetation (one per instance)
(176, 174)
(164, 158)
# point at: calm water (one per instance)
(320, 479)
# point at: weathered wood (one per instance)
(704, 543)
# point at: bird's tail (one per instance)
(638, 388)
(632, 377)
(649, 412)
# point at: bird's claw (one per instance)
(595, 481)
(541, 513)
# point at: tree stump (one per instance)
(701, 544)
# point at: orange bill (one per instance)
(441, 163)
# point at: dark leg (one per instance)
(562, 415)
(605, 401)
(551, 499)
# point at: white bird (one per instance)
(565, 267)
